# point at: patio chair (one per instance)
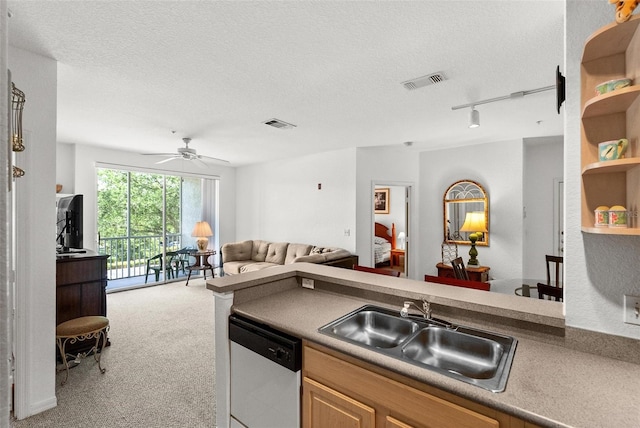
(156, 265)
(182, 260)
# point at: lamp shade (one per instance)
(202, 230)
(474, 221)
(401, 239)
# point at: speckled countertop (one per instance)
(549, 385)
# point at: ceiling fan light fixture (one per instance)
(474, 118)
(186, 153)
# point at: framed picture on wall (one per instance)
(381, 200)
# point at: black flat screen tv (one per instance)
(69, 222)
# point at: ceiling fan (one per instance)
(186, 153)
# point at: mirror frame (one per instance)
(465, 191)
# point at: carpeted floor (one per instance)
(160, 370)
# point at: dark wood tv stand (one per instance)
(81, 282)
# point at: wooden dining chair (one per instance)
(459, 270)
(549, 292)
(554, 264)
(377, 270)
(553, 288)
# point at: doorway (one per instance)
(558, 217)
(144, 222)
(390, 244)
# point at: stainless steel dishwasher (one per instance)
(265, 376)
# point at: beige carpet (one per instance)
(160, 369)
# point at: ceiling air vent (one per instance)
(280, 124)
(420, 82)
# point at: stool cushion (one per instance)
(82, 325)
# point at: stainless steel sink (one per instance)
(374, 328)
(461, 353)
(473, 356)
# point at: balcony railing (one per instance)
(128, 255)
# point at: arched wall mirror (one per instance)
(466, 211)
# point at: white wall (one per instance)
(35, 294)
(498, 168)
(65, 167)
(280, 201)
(543, 161)
(599, 269)
(85, 183)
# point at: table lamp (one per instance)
(202, 231)
(474, 222)
(401, 238)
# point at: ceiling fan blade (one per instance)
(168, 159)
(214, 159)
(158, 154)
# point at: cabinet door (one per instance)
(392, 422)
(325, 407)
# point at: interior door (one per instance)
(397, 215)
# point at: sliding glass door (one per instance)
(142, 218)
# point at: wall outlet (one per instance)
(631, 309)
(307, 283)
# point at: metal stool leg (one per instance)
(98, 355)
(61, 345)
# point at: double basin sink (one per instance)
(473, 356)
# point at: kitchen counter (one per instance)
(549, 384)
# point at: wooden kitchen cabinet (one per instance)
(339, 390)
(611, 52)
(326, 407)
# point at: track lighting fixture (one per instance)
(474, 115)
(474, 118)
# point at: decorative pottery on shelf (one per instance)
(602, 216)
(612, 85)
(58, 188)
(617, 216)
(612, 150)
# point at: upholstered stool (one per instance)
(79, 329)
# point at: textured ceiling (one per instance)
(130, 72)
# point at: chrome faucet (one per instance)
(426, 309)
(426, 314)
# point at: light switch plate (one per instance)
(307, 283)
(632, 309)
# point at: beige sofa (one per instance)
(252, 255)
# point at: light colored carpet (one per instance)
(160, 370)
